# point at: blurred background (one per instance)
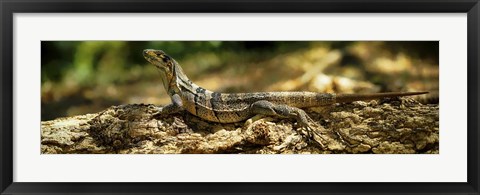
(80, 77)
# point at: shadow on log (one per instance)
(398, 125)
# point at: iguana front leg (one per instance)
(284, 111)
(174, 107)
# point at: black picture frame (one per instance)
(9, 7)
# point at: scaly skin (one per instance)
(236, 107)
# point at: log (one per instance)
(387, 126)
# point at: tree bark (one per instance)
(398, 125)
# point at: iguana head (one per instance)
(171, 72)
(159, 59)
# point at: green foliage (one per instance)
(81, 62)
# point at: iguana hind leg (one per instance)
(284, 111)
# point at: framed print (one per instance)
(257, 97)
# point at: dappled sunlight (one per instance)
(86, 77)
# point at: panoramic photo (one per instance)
(239, 97)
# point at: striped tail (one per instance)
(342, 98)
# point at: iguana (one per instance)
(236, 107)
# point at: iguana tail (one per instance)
(342, 98)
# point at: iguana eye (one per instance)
(165, 58)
